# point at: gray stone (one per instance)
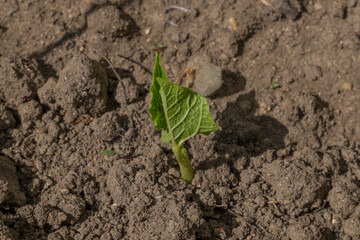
(208, 80)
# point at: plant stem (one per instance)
(187, 172)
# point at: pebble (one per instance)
(64, 191)
(347, 86)
(7, 119)
(147, 31)
(220, 233)
(233, 24)
(208, 80)
(318, 5)
(289, 8)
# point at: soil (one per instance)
(285, 163)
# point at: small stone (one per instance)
(282, 152)
(208, 80)
(220, 232)
(263, 106)
(291, 9)
(233, 24)
(347, 86)
(147, 31)
(318, 5)
(7, 119)
(149, 191)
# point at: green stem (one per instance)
(187, 172)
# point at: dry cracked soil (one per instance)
(284, 164)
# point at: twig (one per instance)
(253, 224)
(81, 120)
(178, 8)
(137, 63)
(267, 3)
(130, 131)
(172, 23)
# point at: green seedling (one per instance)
(112, 153)
(108, 153)
(179, 114)
(274, 85)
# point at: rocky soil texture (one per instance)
(285, 163)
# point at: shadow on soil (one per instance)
(244, 133)
(242, 126)
(232, 83)
(77, 32)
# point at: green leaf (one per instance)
(108, 153)
(157, 116)
(179, 112)
(274, 86)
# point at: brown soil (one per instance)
(285, 163)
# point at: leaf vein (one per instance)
(185, 115)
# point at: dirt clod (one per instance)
(352, 224)
(109, 126)
(16, 82)
(47, 93)
(300, 232)
(343, 198)
(308, 188)
(29, 112)
(82, 87)
(10, 191)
